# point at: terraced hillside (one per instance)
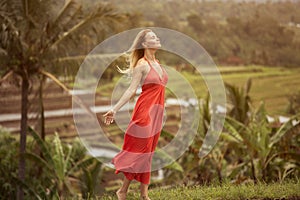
(269, 84)
(272, 85)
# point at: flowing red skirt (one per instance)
(141, 136)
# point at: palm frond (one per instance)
(90, 180)
(239, 102)
(230, 138)
(37, 159)
(76, 98)
(63, 18)
(24, 186)
(275, 155)
(247, 86)
(65, 14)
(175, 166)
(10, 37)
(234, 127)
(42, 145)
(7, 74)
(104, 12)
(59, 158)
(283, 130)
(11, 8)
(164, 156)
(85, 163)
(241, 131)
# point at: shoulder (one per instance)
(141, 62)
(141, 65)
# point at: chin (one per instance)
(155, 48)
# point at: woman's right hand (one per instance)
(109, 117)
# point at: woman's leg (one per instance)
(144, 189)
(121, 193)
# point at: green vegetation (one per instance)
(69, 164)
(232, 33)
(226, 191)
(48, 40)
(54, 169)
(273, 85)
(269, 84)
(34, 40)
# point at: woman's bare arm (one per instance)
(137, 75)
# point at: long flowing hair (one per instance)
(136, 51)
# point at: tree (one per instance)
(196, 23)
(33, 36)
(163, 20)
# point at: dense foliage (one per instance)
(232, 33)
(54, 169)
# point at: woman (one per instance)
(144, 129)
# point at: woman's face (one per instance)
(151, 41)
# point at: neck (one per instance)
(149, 54)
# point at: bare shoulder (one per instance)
(141, 61)
(141, 65)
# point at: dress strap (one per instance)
(155, 70)
(147, 61)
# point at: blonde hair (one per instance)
(136, 51)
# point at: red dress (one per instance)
(143, 131)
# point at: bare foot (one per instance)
(121, 195)
(145, 198)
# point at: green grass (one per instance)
(288, 190)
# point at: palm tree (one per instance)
(33, 36)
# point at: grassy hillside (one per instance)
(228, 191)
